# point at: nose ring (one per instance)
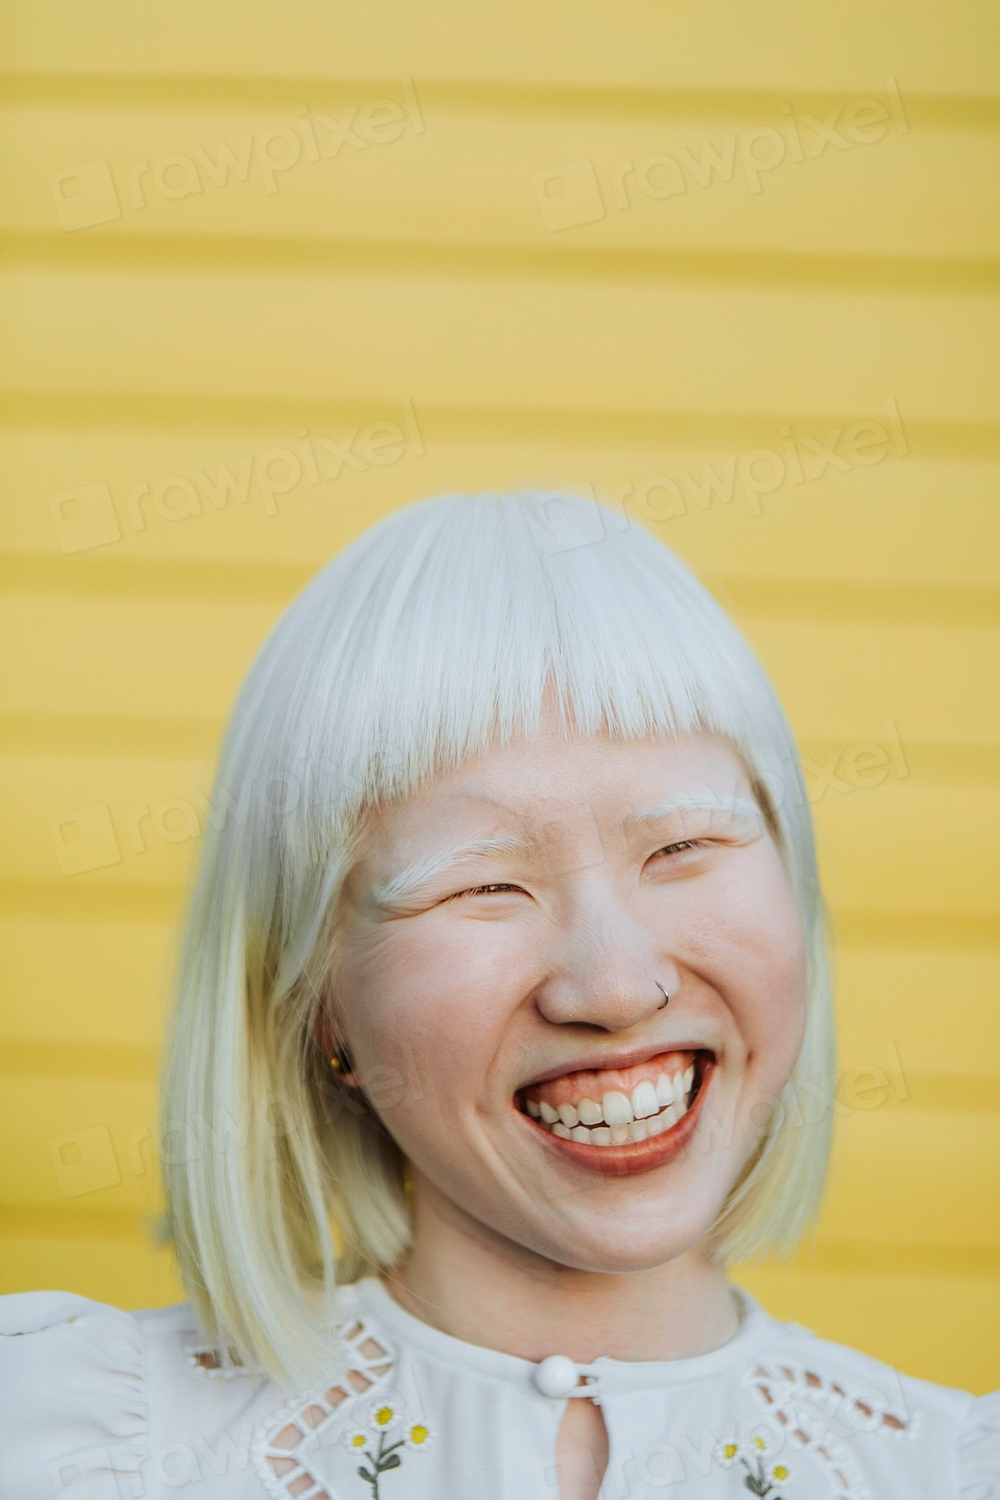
(663, 992)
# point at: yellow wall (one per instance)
(518, 323)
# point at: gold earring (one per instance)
(342, 1061)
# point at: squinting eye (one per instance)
(678, 848)
(488, 890)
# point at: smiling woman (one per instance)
(504, 971)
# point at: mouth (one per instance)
(621, 1120)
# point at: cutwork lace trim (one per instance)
(214, 1364)
(811, 1410)
(280, 1449)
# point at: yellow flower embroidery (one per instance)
(380, 1459)
(755, 1479)
(384, 1417)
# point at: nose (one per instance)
(609, 974)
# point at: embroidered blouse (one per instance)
(101, 1404)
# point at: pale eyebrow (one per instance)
(739, 809)
(400, 890)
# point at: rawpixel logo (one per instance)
(84, 518)
(569, 196)
(84, 839)
(85, 195)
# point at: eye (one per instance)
(680, 847)
(485, 890)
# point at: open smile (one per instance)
(621, 1120)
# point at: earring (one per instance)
(341, 1062)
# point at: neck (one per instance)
(470, 1282)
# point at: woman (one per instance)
(504, 970)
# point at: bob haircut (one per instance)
(432, 637)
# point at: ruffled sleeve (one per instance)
(979, 1451)
(73, 1411)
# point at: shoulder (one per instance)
(72, 1372)
(979, 1449)
(894, 1421)
(44, 1332)
(137, 1402)
(89, 1388)
(53, 1337)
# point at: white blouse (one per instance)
(108, 1405)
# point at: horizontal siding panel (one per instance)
(869, 524)
(779, 45)
(102, 982)
(440, 339)
(464, 175)
(907, 1176)
(910, 848)
(842, 682)
(86, 1141)
(889, 1010)
(125, 1270)
(147, 657)
(90, 900)
(126, 823)
(97, 1062)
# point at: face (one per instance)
(505, 943)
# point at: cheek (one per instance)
(776, 994)
(427, 1001)
(755, 956)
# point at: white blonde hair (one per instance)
(433, 636)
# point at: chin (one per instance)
(617, 1230)
(607, 1259)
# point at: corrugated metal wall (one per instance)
(360, 255)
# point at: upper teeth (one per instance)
(648, 1110)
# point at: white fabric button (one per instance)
(556, 1376)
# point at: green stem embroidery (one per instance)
(758, 1484)
(385, 1458)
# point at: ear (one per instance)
(323, 1031)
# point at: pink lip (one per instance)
(596, 1062)
(638, 1156)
